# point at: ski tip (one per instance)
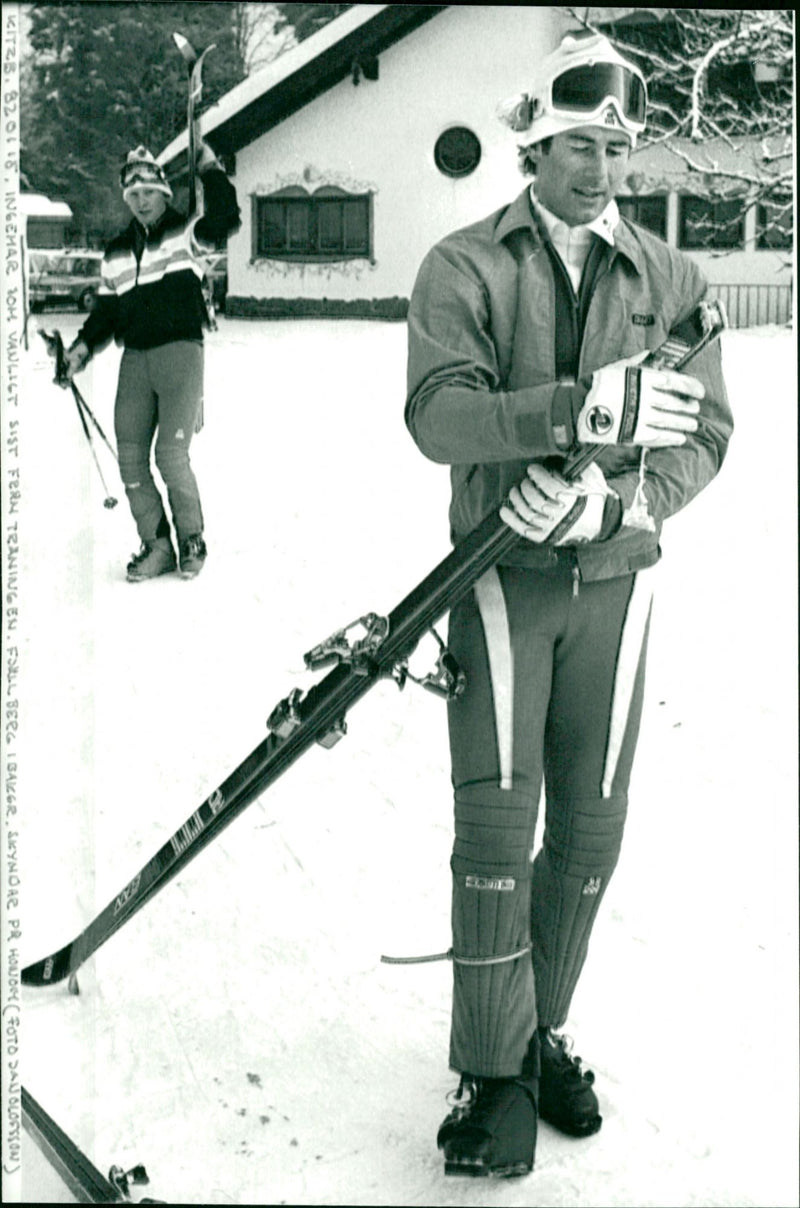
(186, 49)
(51, 970)
(72, 984)
(198, 67)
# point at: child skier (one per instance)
(151, 301)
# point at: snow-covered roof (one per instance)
(298, 75)
(273, 73)
(36, 205)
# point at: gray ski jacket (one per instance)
(482, 390)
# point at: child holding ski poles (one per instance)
(151, 301)
(526, 331)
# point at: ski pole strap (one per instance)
(450, 955)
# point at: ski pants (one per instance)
(160, 392)
(555, 680)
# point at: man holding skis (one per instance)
(526, 331)
(151, 301)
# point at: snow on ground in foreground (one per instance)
(239, 1036)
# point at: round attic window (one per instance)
(457, 152)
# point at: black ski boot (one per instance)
(156, 557)
(193, 554)
(566, 1098)
(492, 1127)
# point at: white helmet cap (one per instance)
(584, 82)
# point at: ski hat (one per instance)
(584, 82)
(140, 171)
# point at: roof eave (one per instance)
(313, 78)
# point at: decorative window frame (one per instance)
(321, 193)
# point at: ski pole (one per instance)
(109, 501)
(55, 346)
(80, 399)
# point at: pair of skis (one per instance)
(381, 650)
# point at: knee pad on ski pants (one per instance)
(494, 1011)
(172, 459)
(134, 463)
(570, 874)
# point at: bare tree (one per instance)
(265, 31)
(721, 92)
(262, 34)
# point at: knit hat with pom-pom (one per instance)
(140, 171)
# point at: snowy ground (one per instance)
(239, 1036)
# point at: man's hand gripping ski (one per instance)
(627, 404)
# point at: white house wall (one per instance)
(379, 136)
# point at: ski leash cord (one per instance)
(450, 955)
(318, 716)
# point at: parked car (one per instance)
(217, 278)
(65, 276)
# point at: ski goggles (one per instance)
(143, 176)
(589, 89)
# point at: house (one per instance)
(46, 222)
(744, 251)
(355, 151)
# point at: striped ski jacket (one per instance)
(151, 279)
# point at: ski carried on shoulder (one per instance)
(371, 648)
(194, 67)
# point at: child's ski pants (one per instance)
(555, 678)
(160, 390)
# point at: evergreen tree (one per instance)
(105, 77)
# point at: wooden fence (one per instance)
(755, 305)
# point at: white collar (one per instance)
(603, 225)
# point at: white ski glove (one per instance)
(75, 361)
(629, 404)
(545, 507)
